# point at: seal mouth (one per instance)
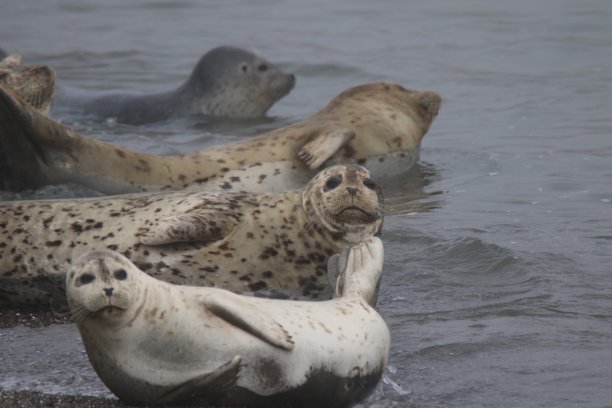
(356, 214)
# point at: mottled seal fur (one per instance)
(238, 241)
(153, 343)
(33, 83)
(226, 81)
(377, 125)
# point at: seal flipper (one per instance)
(247, 318)
(324, 145)
(360, 269)
(192, 226)
(210, 384)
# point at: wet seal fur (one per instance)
(153, 343)
(377, 125)
(239, 241)
(226, 82)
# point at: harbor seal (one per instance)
(33, 83)
(226, 81)
(378, 125)
(153, 343)
(239, 241)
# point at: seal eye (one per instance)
(86, 278)
(120, 274)
(262, 68)
(370, 183)
(332, 182)
(244, 67)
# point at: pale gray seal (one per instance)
(226, 81)
(153, 343)
(379, 126)
(238, 241)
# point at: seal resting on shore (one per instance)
(377, 125)
(153, 343)
(239, 241)
(226, 81)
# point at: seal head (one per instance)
(346, 201)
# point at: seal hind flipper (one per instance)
(22, 163)
(360, 269)
(324, 145)
(249, 319)
(191, 226)
(212, 383)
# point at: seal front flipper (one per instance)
(194, 225)
(214, 383)
(246, 317)
(324, 145)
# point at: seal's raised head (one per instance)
(33, 83)
(346, 201)
(237, 83)
(100, 283)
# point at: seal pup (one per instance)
(154, 343)
(378, 125)
(226, 81)
(238, 241)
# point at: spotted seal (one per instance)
(226, 81)
(153, 343)
(378, 125)
(238, 241)
(34, 83)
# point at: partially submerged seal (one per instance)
(226, 81)
(239, 241)
(153, 343)
(378, 125)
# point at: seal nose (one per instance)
(352, 191)
(108, 291)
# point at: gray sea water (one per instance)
(498, 267)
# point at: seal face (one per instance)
(155, 343)
(226, 81)
(33, 83)
(378, 125)
(274, 244)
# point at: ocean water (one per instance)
(498, 267)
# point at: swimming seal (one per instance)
(153, 343)
(226, 81)
(379, 126)
(239, 241)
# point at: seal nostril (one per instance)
(108, 291)
(352, 191)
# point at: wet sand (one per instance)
(9, 398)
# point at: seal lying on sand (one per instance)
(377, 125)
(33, 83)
(227, 81)
(238, 241)
(153, 343)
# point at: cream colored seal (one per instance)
(153, 343)
(275, 244)
(227, 82)
(377, 125)
(33, 83)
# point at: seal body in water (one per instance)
(275, 244)
(226, 81)
(377, 125)
(153, 343)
